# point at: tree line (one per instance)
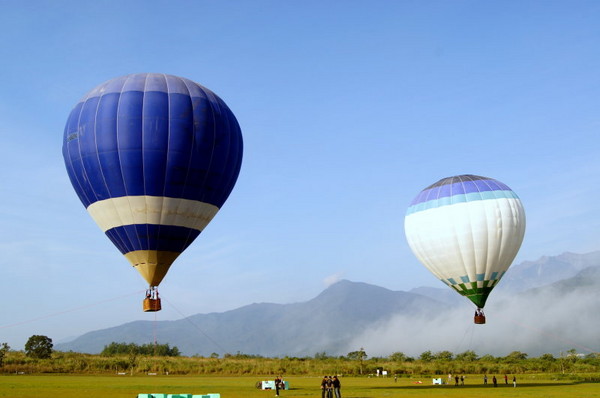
(158, 350)
(39, 357)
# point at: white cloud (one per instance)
(534, 324)
(333, 278)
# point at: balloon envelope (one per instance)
(466, 230)
(152, 157)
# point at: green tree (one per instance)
(548, 357)
(572, 355)
(444, 356)
(516, 356)
(398, 357)
(359, 355)
(39, 347)
(426, 356)
(467, 356)
(161, 350)
(545, 362)
(4, 348)
(132, 359)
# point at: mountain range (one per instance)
(349, 315)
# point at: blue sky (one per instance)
(348, 109)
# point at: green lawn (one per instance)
(67, 386)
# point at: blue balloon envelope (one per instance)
(152, 157)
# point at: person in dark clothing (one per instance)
(329, 387)
(456, 380)
(336, 387)
(323, 386)
(277, 385)
(495, 381)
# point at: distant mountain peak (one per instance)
(345, 310)
(546, 270)
(327, 322)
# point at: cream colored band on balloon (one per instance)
(128, 210)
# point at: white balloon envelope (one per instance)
(466, 230)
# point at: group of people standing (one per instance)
(495, 381)
(329, 386)
(461, 379)
(456, 378)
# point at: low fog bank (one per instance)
(536, 322)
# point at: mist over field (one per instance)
(544, 320)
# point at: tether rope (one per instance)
(74, 309)
(187, 318)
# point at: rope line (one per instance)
(74, 309)
(469, 328)
(187, 318)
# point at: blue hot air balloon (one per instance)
(152, 157)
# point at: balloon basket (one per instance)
(479, 319)
(151, 305)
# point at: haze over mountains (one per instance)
(544, 306)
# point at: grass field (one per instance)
(68, 386)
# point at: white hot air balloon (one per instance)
(466, 230)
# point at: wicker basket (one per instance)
(151, 305)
